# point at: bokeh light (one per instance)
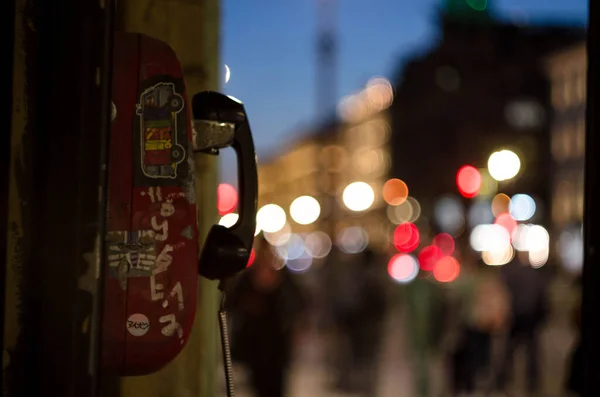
(449, 215)
(504, 165)
(522, 207)
(227, 198)
(570, 249)
(300, 264)
(480, 213)
(500, 204)
(271, 218)
(304, 210)
(445, 243)
(358, 196)
(468, 181)
(318, 244)
(506, 221)
(429, 256)
(252, 258)
(519, 237)
(406, 237)
(403, 268)
(228, 220)
(352, 240)
(499, 256)
(446, 269)
(493, 238)
(279, 237)
(292, 249)
(395, 192)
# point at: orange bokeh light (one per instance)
(446, 269)
(395, 192)
(500, 204)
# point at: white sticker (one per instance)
(138, 324)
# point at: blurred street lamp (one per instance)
(271, 218)
(304, 210)
(504, 165)
(358, 196)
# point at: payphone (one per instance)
(152, 250)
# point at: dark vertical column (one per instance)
(8, 30)
(56, 196)
(326, 89)
(591, 269)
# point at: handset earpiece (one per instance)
(221, 121)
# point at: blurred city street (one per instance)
(310, 378)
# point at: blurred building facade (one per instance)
(567, 72)
(326, 159)
(483, 88)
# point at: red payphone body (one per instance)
(152, 251)
(152, 241)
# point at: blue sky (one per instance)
(269, 47)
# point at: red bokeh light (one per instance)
(429, 256)
(406, 237)
(446, 269)
(506, 221)
(227, 198)
(468, 180)
(445, 243)
(251, 258)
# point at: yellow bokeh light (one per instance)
(358, 196)
(271, 218)
(304, 210)
(504, 165)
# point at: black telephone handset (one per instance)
(221, 121)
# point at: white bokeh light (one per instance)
(229, 220)
(271, 218)
(522, 207)
(318, 244)
(403, 268)
(292, 249)
(493, 238)
(279, 237)
(304, 210)
(358, 196)
(352, 240)
(571, 250)
(504, 165)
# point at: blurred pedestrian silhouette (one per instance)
(358, 307)
(527, 289)
(266, 308)
(482, 310)
(425, 322)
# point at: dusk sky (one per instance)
(269, 46)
